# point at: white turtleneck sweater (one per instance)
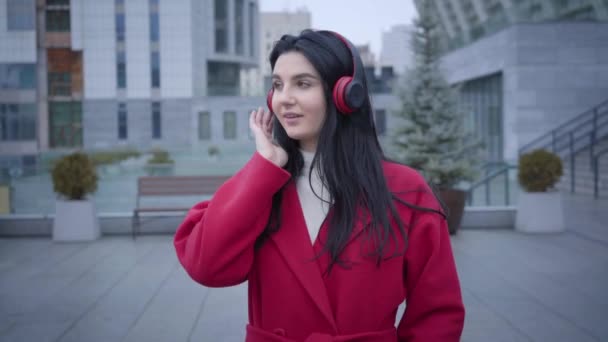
(313, 207)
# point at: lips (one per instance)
(291, 115)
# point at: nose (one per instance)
(283, 97)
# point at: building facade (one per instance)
(273, 25)
(19, 109)
(100, 74)
(523, 66)
(396, 51)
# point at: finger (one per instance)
(267, 117)
(259, 117)
(252, 119)
(270, 125)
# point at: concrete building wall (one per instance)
(551, 73)
(272, 26)
(396, 48)
(100, 121)
(137, 48)
(175, 49)
(99, 45)
(15, 46)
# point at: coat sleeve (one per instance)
(434, 308)
(215, 242)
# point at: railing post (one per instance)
(487, 184)
(591, 148)
(572, 162)
(593, 135)
(596, 177)
(506, 186)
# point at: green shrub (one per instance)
(74, 176)
(213, 150)
(110, 157)
(160, 157)
(539, 170)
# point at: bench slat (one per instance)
(179, 185)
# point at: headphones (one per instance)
(348, 93)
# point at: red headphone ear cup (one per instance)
(269, 100)
(338, 95)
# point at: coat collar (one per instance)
(293, 242)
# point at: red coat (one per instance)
(289, 297)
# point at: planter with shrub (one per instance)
(74, 177)
(160, 164)
(539, 207)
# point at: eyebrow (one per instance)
(298, 76)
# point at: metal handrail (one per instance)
(486, 181)
(596, 171)
(594, 113)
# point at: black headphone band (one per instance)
(354, 53)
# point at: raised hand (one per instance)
(260, 123)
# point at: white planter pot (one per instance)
(540, 212)
(75, 221)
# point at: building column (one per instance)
(41, 79)
(461, 20)
(231, 28)
(480, 10)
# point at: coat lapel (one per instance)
(293, 242)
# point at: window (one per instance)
(380, 121)
(223, 79)
(204, 126)
(17, 121)
(17, 76)
(58, 20)
(480, 101)
(65, 119)
(230, 125)
(156, 120)
(252, 28)
(221, 25)
(239, 17)
(120, 27)
(60, 83)
(122, 121)
(154, 27)
(121, 70)
(21, 15)
(155, 66)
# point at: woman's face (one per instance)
(298, 100)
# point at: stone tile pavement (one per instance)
(516, 287)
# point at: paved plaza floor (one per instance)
(516, 287)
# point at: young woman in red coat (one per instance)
(331, 236)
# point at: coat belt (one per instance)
(255, 334)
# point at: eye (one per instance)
(303, 84)
(276, 85)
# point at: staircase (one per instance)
(583, 176)
(580, 142)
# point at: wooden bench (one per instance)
(172, 186)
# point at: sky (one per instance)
(361, 21)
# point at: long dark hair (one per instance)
(348, 156)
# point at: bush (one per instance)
(110, 157)
(160, 157)
(213, 150)
(74, 176)
(539, 170)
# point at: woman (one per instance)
(329, 234)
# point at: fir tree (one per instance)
(432, 138)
